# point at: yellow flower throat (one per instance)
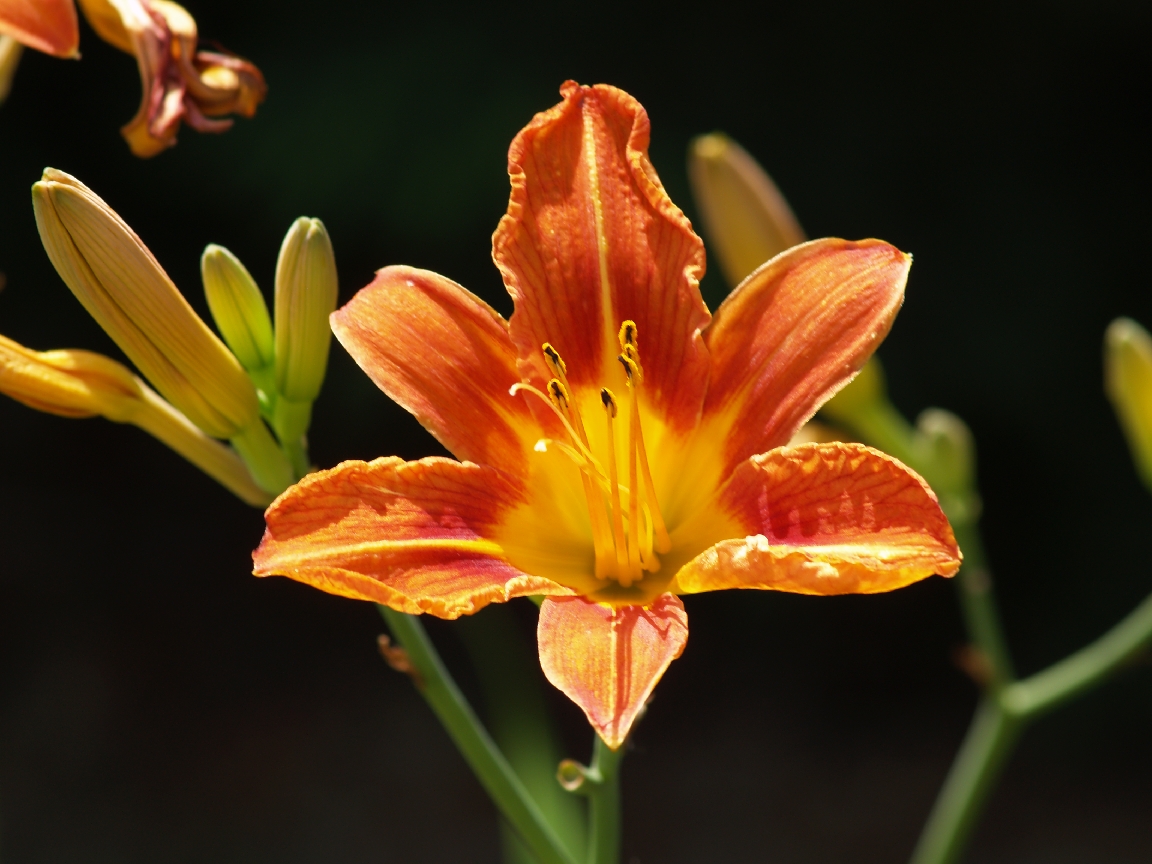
(627, 526)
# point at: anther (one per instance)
(627, 335)
(554, 360)
(631, 368)
(559, 393)
(609, 402)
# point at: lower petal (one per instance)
(607, 660)
(821, 519)
(411, 535)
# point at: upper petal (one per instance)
(821, 519)
(793, 333)
(443, 354)
(607, 660)
(412, 535)
(46, 25)
(590, 240)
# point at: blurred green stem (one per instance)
(603, 793)
(1007, 705)
(474, 743)
(518, 718)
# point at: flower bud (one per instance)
(10, 51)
(123, 287)
(74, 383)
(305, 297)
(1128, 383)
(238, 308)
(744, 215)
(948, 459)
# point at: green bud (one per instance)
(238, 308)
(865, 391)
(1128, 383)
(948, 462)
(305, 297)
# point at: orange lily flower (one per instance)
(619, 446)
(179, 82)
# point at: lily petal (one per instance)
(607, 660)
(443, 354)
(822, 519)
(46, 25)
(590, 240)
(793, 333)
(411, 535)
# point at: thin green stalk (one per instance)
(474, 743)
(518, 718)
(973, 775)
(604, 804)
(978, 602)
(1085, 669)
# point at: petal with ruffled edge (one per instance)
(444, 354)
(792, 334)
(411, 535)
(590, 240)
(821, 519)
(607, 660)
(46, 25)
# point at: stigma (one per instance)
(628, 530)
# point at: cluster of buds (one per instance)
(207, 390)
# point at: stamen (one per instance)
(609, 402)
(601, 534)
(559, 394)
(592, 461)
(633, 487)
(555, 362)
(627, 335)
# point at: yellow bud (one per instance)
(305, 297)
(75, 383)
(238, 308)
(123, 287)
(1128, 383)
(864, 391)
(744, 214)
(10, 51)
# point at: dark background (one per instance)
(157, 703)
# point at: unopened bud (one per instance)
(305, 297)
(744, 215)
(74, 383)
(68, 383)
(238, 308)
(123, 287)
(948, 461)
(1128, 383)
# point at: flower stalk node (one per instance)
(398, 659)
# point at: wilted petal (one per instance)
(412, 535)
(607, 660)
(792, 334)
(821, 519)
(590, 240)
(445, 355)
(46, 25)
(178, 81)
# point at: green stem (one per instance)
(978, 602)
(264, 458)
(973, 774)
(517, 715)
(1085, 669)
(475, 745)
(604, 804)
